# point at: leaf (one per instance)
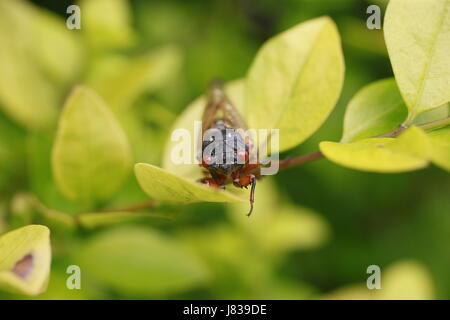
(163, 185)
(407, 280)
(140, 261)
(54, 40)
(192, 113)
(432, 115)
(147, 126)
(410, 151)
(277, 226)
(26, 96)
(418, 42)
(16, 22)
(440, 146)
(40, 177)
(91, 155)
(375, 109)
(295, 81)
(25, 256)
(404, 280)
(106, 24)
(128, 79)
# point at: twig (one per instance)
(295, 161)
(149, 204)
(291, 162)
(288, 163)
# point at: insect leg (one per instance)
(211, 182)
(252, 194)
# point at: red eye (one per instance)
(242, 155)
(206, 161)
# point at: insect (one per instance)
(226, 153)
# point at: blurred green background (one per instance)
(316, 227)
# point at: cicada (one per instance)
(225, 148)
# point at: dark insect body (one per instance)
(229, 161)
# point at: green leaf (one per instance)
(125, 80)
(403, 280)
(91, 155)
(295, 81)
(407, 280)
(432, 115)
(16, 22)
(416, 33)
(25, 256)
(375, 109)
(147, 126)
(106, 24)
(25, 95)
(54, 40)
(140, 261)
(192, 113)
(40, 177)
(440, 146)
(166, 186)
(27, 48)
(278, 226)
(410, 151)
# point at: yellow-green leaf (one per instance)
(418, 41)
(166, 186)
(279, 227)
(410, 151)
(375, 109)
(54, 40)
(432, 115)
(106, 24)
(408, 280)
(440, 147)
(140, 261)
(25, 94)
(404, 280)
(295, 81)
(91, 155)
(123, 80)
(25, 257)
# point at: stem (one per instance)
(288, 163)
(149, 204)
(435, 124)
(295, 161)
(393, 133)
(291, 162)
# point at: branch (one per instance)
(149, 204)
(295, 161)
(291, 162)
(288, 163)
(435, 124)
